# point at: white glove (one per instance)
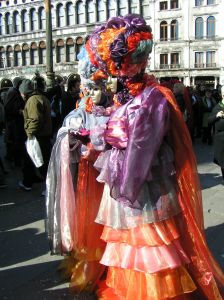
(220, 114)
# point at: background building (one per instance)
(188, 36)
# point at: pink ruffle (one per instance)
(144, 259)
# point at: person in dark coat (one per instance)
(178, 90)
(217, 118)
(37, 123)
(206, 105)
(70, 97)
(15, 133)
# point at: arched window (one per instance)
(2, 57)
(25, 55)
(42, 53)
(33, 20)
(70, 51)
(17, 56)
(34, 54)
(133, 6)
(70, 12)
(60, 51)
(210, 27)
(90, 11)
(8, 23)
(80, 12)
(122, 7)
(16, 21)
(1, 25)
(60, 16)
(174, 30)
(25, 21)
(111, 8)
(145, 8)
(78, 45)
(9, 56)
(42, 18)
(199, 28)
(163, 31)
(101, 16)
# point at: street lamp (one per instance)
(49, 52)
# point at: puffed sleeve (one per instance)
(146, 133)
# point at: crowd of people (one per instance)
(28, 110)
(123, 197)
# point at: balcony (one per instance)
(174, 66)
(199, 38)
(168, 66)
(205, 66)
(210, 65)
(172, 39)
(199, 66)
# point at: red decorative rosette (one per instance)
(134, 39)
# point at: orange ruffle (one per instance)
(133, 285)
(154, 234)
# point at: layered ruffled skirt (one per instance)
(146, 261)
(147, 253)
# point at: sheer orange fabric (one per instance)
(203, 267)
(133, 285)
(84, 267)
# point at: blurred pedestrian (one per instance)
(37, 123)
(206, 106)
(217, 118)
(178, 90)
(70, 97)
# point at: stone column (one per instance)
(49, 52)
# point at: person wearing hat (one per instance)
(151, 206)
(37, 123)
(15, 134)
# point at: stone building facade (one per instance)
(188, 37)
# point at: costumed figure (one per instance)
(73, 194)
(151, 206)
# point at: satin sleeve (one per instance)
(146, 130)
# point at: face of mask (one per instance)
(112, 84)
(95, 95)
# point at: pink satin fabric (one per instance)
(144, 259)
(67, 199)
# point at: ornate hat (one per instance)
(121, 46)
